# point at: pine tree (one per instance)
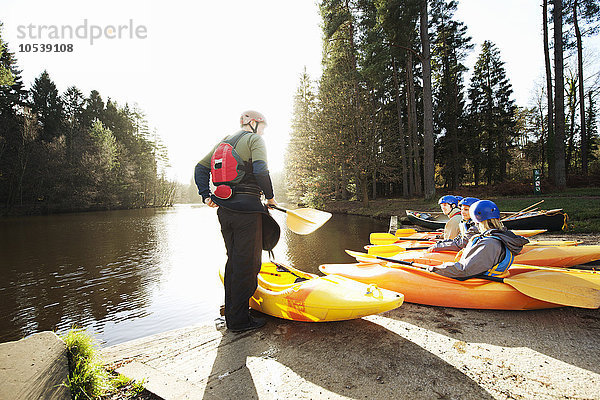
(12, 101)
(47, 105)
(586, 12)
(492, 114)
(6, 76)
(592, 128)
(450, 46)
(301, 161)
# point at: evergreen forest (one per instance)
(71, 152)
(393, 115)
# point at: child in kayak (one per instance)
(491, 252)
(467, 228)
(449, 206)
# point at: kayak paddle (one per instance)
(405, 232)
(388, 238)
(551, 286)
(304, 220)
(387, 250)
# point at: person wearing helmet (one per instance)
(246, 225)
(490, 252)
(466, 226)
(449, 206)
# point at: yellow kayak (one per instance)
(288, 293)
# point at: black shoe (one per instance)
(254, 323)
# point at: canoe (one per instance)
(552, 220)
(423, 287)
(550, 256)
(317, 299)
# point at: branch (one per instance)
(419, 55)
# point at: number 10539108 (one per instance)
(45, 48)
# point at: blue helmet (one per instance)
(468, 201)
(483, 210)
(448, 199)
(459, 198)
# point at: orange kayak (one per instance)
(423, 287)
(551, 256)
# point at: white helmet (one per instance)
(248, 116)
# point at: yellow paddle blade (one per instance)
(557, 287)
(382, 238)
(385, 250)
(306, 220)
(593, 277)
(405, 232)
(364, 257)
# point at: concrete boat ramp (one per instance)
(411, 352)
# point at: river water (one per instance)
(128, 274)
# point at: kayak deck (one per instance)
(296, 295)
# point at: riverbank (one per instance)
(581, 205)
(412, 352)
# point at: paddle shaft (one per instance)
(523, 210)
(286, 269)
(423, 266)
(278, 208)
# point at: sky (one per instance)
(194, 66)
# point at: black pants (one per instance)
(242, 233)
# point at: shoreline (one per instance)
(412, 352)
(583, 212)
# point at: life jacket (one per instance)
(502, 267)
(227, 168)
(465, 225)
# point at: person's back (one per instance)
(244, 219)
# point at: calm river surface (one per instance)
(129, 274)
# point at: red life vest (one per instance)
(227, 168)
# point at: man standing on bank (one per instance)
(238, 167)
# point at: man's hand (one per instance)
(210, 203)
(271, 202)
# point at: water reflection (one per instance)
(129, 274)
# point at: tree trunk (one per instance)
(412, 125)
(584, 140)
(374, 185)
(543, 135)
(549, 93)
(560, 178)
(411, 162)
(400, 131)
(428, 158)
